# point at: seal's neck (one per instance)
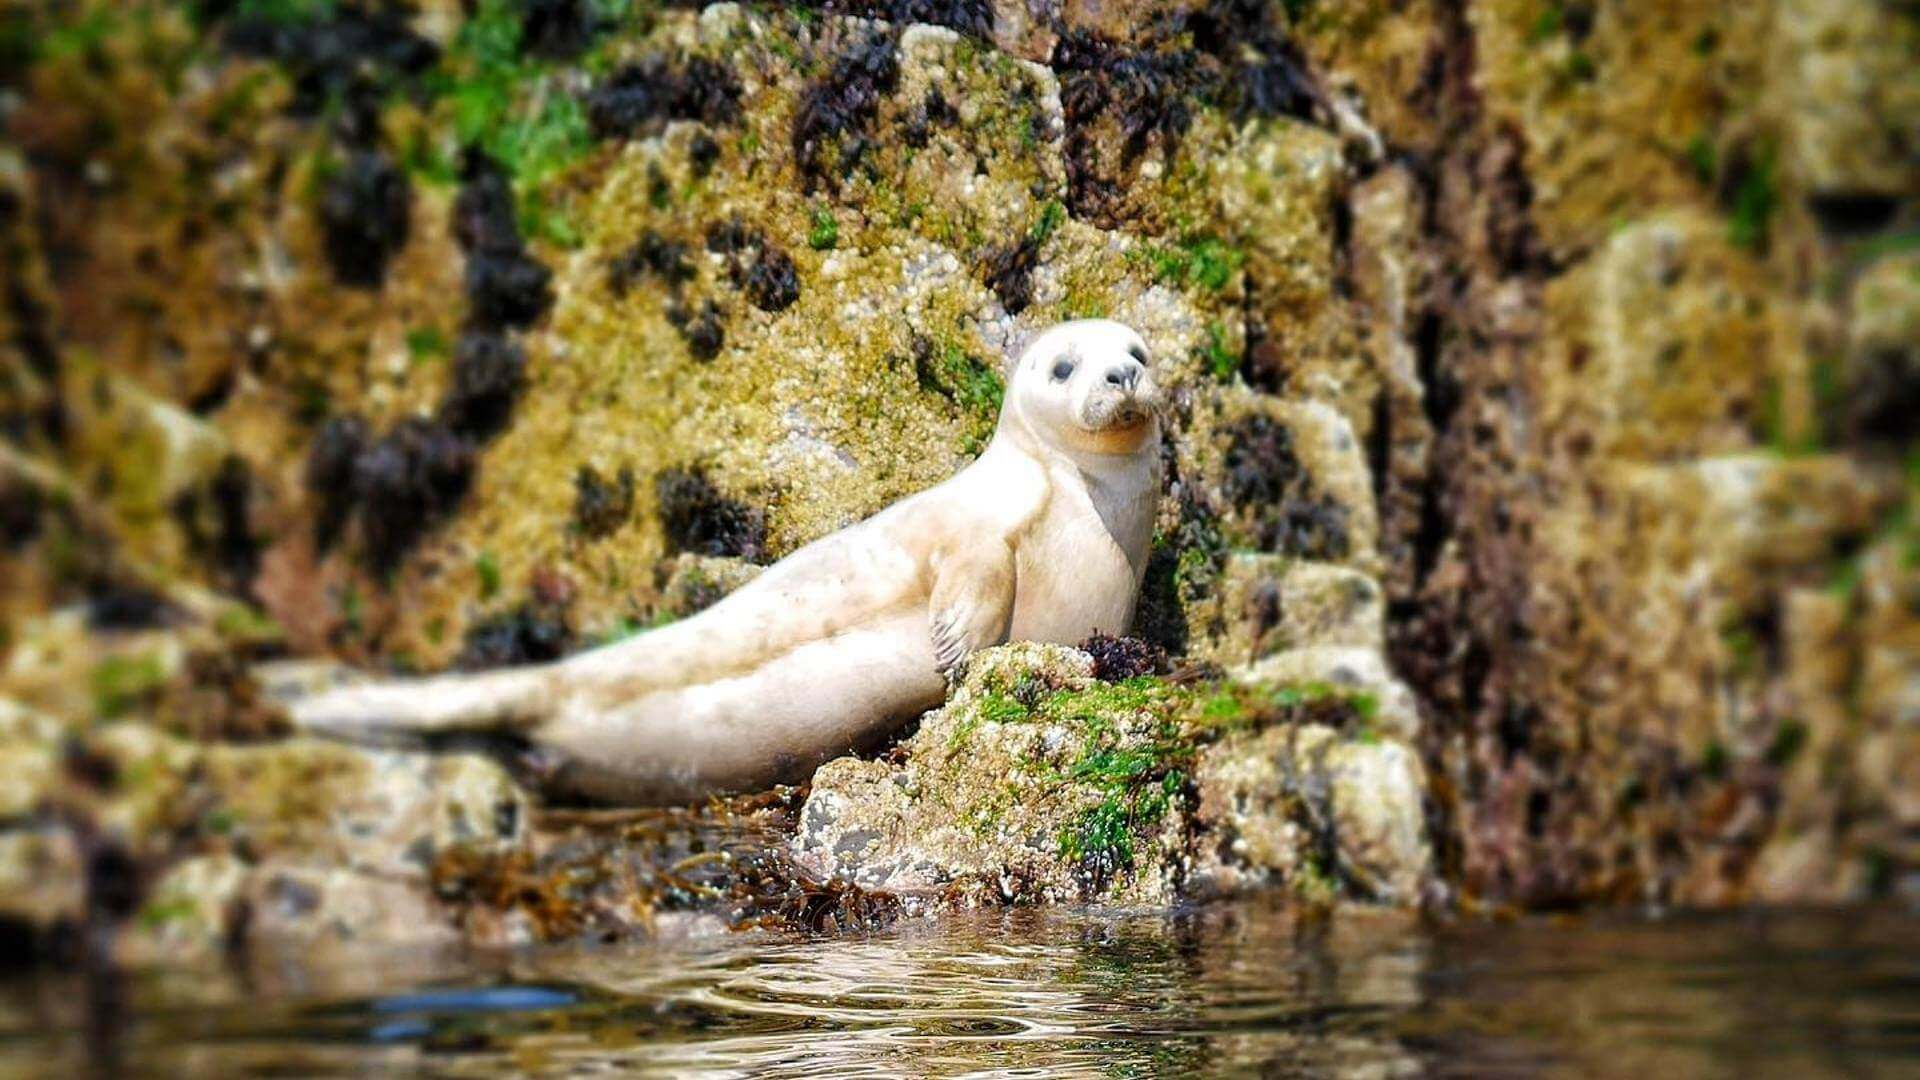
(1095, 466)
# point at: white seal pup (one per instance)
(1044, 537)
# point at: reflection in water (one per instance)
(1232, 988)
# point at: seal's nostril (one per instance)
(1124, 376)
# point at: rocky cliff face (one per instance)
(1542, 378)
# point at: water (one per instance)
(1241, 988)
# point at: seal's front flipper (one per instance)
(972, 602)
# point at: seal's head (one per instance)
(1088, 385)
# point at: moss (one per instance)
(968, 382)
(1714, 759)
(1755, 195)
(1219, 361)
(1704, 158)
(823, 232)
(1199, 262)
(1788, 740)
(157, 914)
(487, 568)
(121, 683)
(992, 708)
(427, 343)
(1052, 215)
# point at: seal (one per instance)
(1044, 537)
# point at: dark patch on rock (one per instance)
(702, 152)
(365, 212)
(1882, 398)
(703, 329)
(220, 701)
(505, 286)
(1231, 54)
(405, 484)
(557, 29)
(756, 264)
(641, 97)
(489, 373)
(1264, 74)
(331, 463)
(217, 521)
(933, 111)
(1261, 465)
(113, 883)
(836, 111)
(1846, 215)
(530, 634)
(507, 290)
(1145, 92)
(601, 506)
(651, 254)
(20, 507)
(483, 213)
(699, 519)
(772, 283)
(354, 50)
(730, 237)
(1117, 659)
(1181, 568)
(1008, 271)
(1266, 480)
(118, 606)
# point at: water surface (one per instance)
(1240, 988)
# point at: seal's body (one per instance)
(1045, 538)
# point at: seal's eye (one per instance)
(1138, 353)
(1062, 370)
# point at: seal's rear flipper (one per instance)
(331, 700)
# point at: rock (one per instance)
(42, 878)
(1880, 379)
(1360, 670)
(381, 812)
(191, 913)
(1379, 823)
(1843, 64)
(30, 760)
(1322, 813)
(331, 906)
(1034, 783)
(1662, 344)
(1279, 186)
(1265, 604)
(1001, 796)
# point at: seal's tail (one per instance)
(414, 710)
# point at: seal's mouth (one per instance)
(1126, 416)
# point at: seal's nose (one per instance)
(1125, 376)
